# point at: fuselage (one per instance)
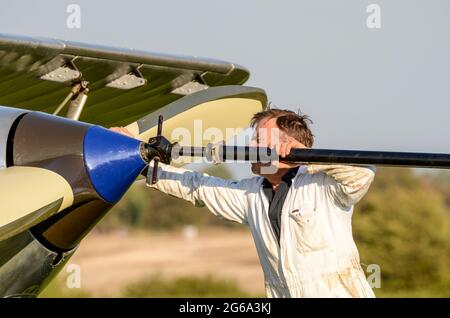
(58, 178)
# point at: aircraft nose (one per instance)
(113, 161)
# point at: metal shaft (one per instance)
(384, 158)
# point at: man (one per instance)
(299, 216)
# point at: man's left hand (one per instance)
(285, 146)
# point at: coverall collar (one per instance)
(287, 177)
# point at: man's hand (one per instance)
(285, 146)
(122, 130)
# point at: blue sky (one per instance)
(375, 89)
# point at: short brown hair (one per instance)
(294, 124)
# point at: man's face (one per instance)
(267, 134)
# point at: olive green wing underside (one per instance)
(124, 84)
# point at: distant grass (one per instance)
(57, 289)
(427, 292)
(208, 287)
(187, 286)
(158, 286)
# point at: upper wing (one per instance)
(124, 84)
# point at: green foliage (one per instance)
(188, 286)
(441, 180)
(403, 225)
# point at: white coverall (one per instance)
(317, 256)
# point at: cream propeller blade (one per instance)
(30, 195)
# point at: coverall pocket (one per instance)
(308, 231)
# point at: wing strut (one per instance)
(77, 97)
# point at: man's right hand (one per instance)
(122, 130)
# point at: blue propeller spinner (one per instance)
(113, 161)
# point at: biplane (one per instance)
(61, 169)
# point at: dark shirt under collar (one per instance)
(287, 177)
(277, 198)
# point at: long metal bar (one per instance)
(384, 158)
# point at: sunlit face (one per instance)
(267, 134)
